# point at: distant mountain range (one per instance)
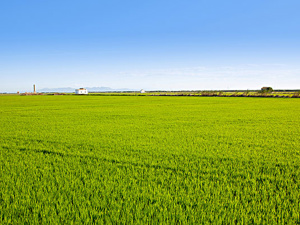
(90, 89)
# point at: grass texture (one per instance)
(149, 160)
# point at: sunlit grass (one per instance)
(133, 159)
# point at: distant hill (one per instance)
(90, 89)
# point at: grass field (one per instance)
(135, 159)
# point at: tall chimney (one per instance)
(34, 91)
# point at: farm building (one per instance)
(81, 91)
(142, 91)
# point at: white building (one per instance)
(143, 91)
(81, 91)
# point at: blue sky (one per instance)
(169, 45)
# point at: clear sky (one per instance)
(157, 44)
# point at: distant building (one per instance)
(81, 91)
(143, 91)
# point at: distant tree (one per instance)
(266, 90)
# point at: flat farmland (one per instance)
(145, 159)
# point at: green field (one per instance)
(143, 159)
